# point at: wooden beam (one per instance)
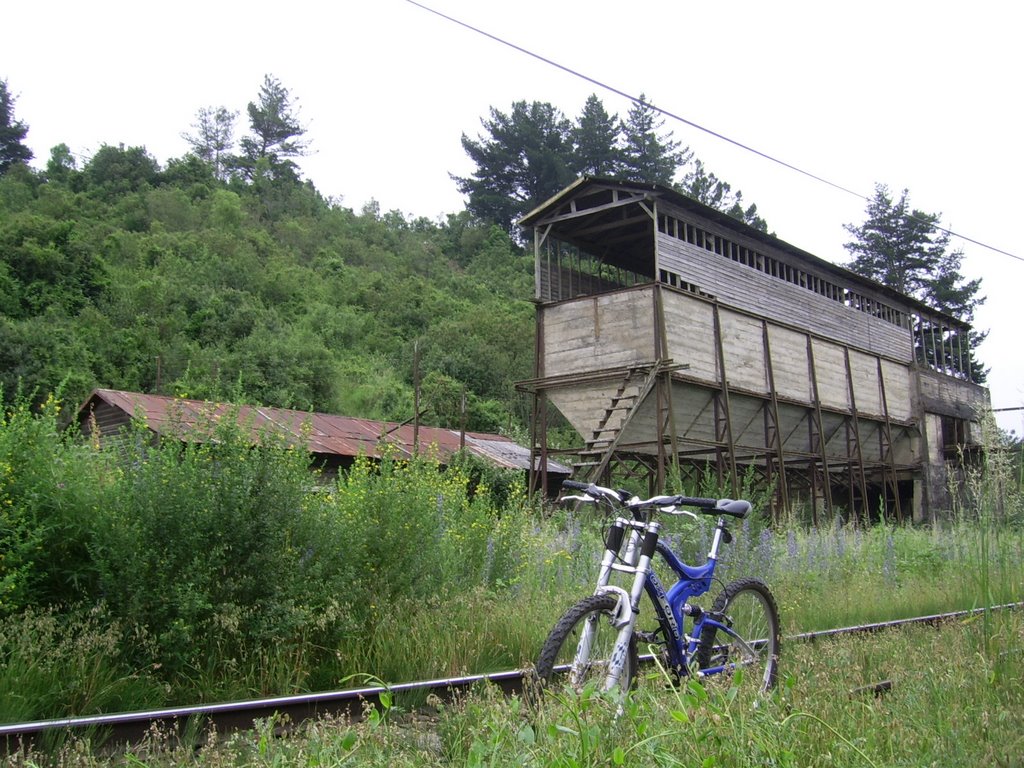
(581, 213)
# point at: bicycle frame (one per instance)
(670, 606)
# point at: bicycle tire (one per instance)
(749, 608)
(560, 648)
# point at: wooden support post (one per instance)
(724, 382)
(659, 395)
(772, 409)
(538, 431)
(817, 433)
(661, 353)
(888, 455)
(857, 455)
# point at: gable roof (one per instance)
(325, 434)
(575, 207)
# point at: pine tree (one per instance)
(705, 187)
(905, 249)
(647, 155)
(275, 133)
(523, 158)
(12, 133)
(595, 138)
(213, 137)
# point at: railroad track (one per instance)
(132, 727)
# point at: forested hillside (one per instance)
(223, 274)
(127, 275)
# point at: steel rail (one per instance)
(132, 727)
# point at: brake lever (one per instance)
(673, 511)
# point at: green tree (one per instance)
(62, 164)
(523, 158)
(595, 137)
(12, 133)
(647, 154)
(905, 249)
(275, 133)
(114, 171)
(213, 137)
(705, 187)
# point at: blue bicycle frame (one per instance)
(672, 606)
(741, 629)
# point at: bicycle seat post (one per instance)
(720, 533)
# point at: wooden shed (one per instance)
(333, 441)
(671, 334)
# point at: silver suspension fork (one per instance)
(615, 535)
(627, 623)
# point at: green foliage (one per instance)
(226, 568)
(69, 661)
(115, 171)
(172, 281)
(705, 187)
(61, 166)
(205, 544)
(213, 137)
(12, 133)
(950, 704)
(596, 138)
(275, 137)
(530, 154)
(523, 159)
(905, 249)
(51, 490)
(647, 154)
(45, 264)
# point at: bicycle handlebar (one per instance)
(734, 508)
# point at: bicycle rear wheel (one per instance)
(580, 647)
(748, 608)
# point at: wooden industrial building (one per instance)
(671, 335)
(333, 442)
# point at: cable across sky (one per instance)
(685, 121)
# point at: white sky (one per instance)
(922, 95)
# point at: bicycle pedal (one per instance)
(647, 637)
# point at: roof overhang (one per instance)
(614, 221)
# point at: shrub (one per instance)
(51, 489)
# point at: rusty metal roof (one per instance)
(325, 434)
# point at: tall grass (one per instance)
(223, 569)
(181, 572)
(951, 703)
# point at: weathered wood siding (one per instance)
(615, 331)
(746, 288)
(610, 330)
(743, 350)
(583, 405)
(690, 323)
(691, 338)
(110, 422)
(789, 363)
(899, 393)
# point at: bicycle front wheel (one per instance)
(748, 608)
(580, 647)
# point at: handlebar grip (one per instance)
(575, 485)
(695, 501)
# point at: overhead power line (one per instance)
(685, 121)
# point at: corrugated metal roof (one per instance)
(326, 434)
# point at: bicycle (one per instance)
(596, 639)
